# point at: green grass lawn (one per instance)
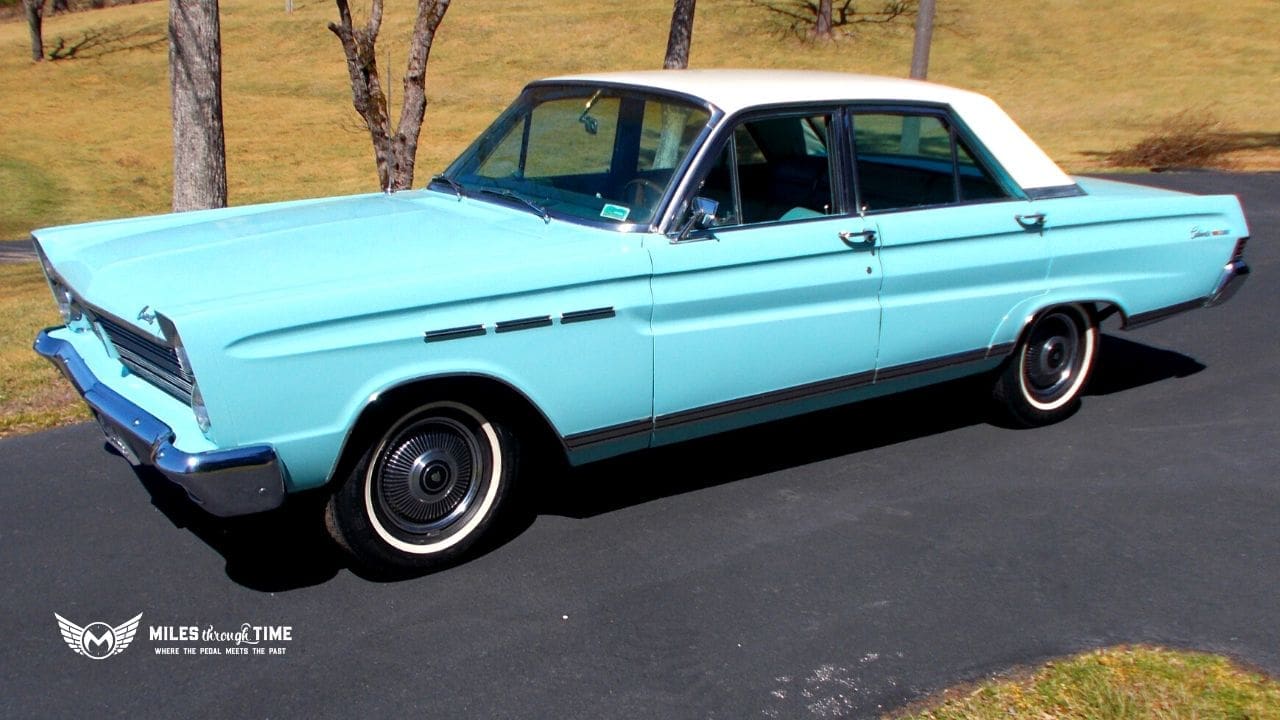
(1126, 683)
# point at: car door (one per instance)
(959, 247)
(773, 308)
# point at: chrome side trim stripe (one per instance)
(1151, 316)
(778, 397)
(585, 315)
(505, 326)
(577, 441)
(924, 366)
(523, 324)
(756, 402)
(1001, 349)
(453, 333)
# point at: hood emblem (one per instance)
(147, 315)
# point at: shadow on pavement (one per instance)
(634, 479)
(1124, 365)
(285, 549)
(289, 548)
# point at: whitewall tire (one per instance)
(427, 488)
(1043, 381)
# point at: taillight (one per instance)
(1238, 253)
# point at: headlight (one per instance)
(170, 333)
(184, 362)
(62, 296)
(197, 406)
(68, 308)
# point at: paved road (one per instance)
(829, 566)
(16, 251)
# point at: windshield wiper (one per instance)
(511, 194)
(454, 185)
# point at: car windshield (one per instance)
(595, 153)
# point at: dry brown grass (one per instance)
(89, 138)
(33, 396)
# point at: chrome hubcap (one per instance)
(1053, 356)
(427, 476)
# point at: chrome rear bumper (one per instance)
(1233, 276)
(236, 481)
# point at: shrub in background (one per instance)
(1188, 139)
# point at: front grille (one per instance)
(149, 359)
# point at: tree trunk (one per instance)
(35, 22)
(924, 38)
(195, 76)
(681, 35)
(395, 154)
(414, 106)
(822, 23)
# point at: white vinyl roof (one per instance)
(734, 90)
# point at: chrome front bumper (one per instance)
(1233, 277)
(236, 481)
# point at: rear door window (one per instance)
(907, 160)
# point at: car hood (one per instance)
(182, 264)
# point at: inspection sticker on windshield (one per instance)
(615, 212)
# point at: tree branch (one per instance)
(793, 14)
(375, 19)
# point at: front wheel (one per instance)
(430, 485)
(1043, 381)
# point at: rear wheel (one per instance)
(426, 490)
(1043, 381)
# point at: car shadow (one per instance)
(284, 549)
(1125, 364)
(634, 479)
(289, 548)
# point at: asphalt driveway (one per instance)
(829, 566)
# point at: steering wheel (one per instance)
(643, 187)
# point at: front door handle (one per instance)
(860, 239)
(1034, 221)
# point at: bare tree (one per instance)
(35, 21)
(195, 80)
(822, 28)
(924, 39)
(394, 152)
(681, 35)
(821, 18)
(673, 116)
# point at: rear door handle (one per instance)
(859, 239)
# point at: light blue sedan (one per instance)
(620, 261)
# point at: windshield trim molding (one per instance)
(679, 173)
